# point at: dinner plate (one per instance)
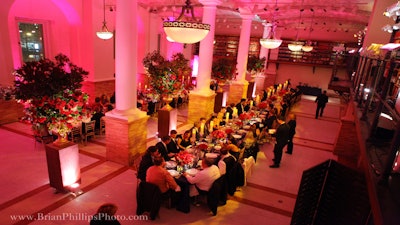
(211, 155)
(236, 136)
(170, 164)
(246, 127)
(241, 131)
(271, 131)
(192, 171)
(173, 173)
(217, 147)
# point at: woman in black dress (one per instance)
(185, 140)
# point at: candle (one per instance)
(257, 99)
(202, 129)
(227, 118)
(183, 79)
(251, 104)
(194, 133)
(235, 112)
(145, 87)
(211, 126)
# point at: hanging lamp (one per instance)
(186, 30)
(271, 42)
(296, 46)
(308, 46)
(104, 33)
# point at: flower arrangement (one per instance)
(229, 131)
(218, 134)
(202, 146)
(245, 116)
(223, 69)
(166, 77)
(255, 64)
(273, 98)
(262, 105)
(184, 157)
(51, 95)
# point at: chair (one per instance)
(214, 194)
(148, 197)
(89, 130)
(76, 134)
(102, 130)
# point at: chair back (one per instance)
(89, 130)
(148, 197)
(76, 134)
(213, 195)
(102, 126)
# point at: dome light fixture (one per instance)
(186, 30)
(104, 33)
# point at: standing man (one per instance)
(282, 136)
(292, 132)
(321, 101)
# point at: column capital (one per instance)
(210, 2)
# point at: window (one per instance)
(31, 41)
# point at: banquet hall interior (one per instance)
(344, 168)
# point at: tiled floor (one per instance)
(268, 198)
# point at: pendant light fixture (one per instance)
(308, 46)
(104, 33)
(186, 30)
(271, 42)
(296, 46)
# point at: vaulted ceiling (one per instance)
(324, 18)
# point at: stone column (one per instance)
(201, 102)
(241, 84)
(126, 125)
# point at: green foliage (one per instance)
(224, 69)
(166, 76)
(255, 64)
(46, 78)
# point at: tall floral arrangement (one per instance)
(51, 95)
(223, 69)
(255, 64)
(167, 77)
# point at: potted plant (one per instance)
(167, 77)
(51, 95)
(255, 65)
(223, 69)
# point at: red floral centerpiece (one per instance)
(218, 134)
(262, 105)
(168, 77)
(51, 95)
(245, 116)
(202, 146)
(229, 131)
(184, 158)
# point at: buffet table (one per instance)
(307, 90)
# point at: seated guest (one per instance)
(147, 161)
(158, 175)
(185, 140)
(226, 162)
(233, 149)
(163, 148)
(229, 109)
(250, 145)
(204, 179)
(172, 146)
(241, 106)
(204, 127)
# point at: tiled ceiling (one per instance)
(341, 16)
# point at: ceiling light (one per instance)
(270, 42)
(295, 46)
(187, 31)
(104, 33)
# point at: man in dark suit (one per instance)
(172, 146)
(241, 106)
(282, 136)
(163, 149)
(321, 101)
(147, 161)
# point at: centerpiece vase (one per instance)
(62, 139)
(167, 100)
